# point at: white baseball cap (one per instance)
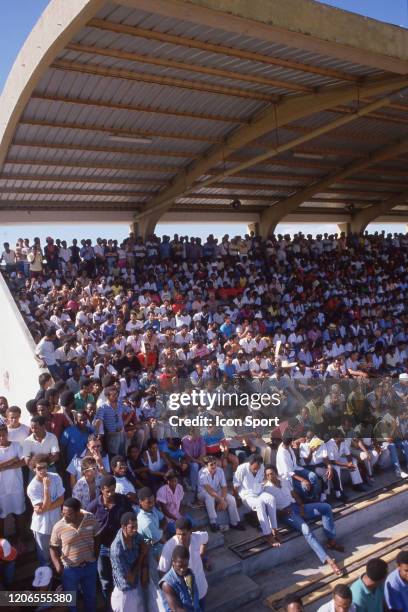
(42, 576)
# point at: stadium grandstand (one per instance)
(227, 416)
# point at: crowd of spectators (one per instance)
(111, 487)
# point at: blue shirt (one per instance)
(73, 441)
(396, 592)
(367, 600)
(148, 525)
(112, 417)
(185, 588)
(227, 330)
(123, 560)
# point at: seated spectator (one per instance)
(74, 547)
(338, 451)
(368, 591)
(396, 585)
(217, 446)
(75, 437)
(175, 456)
(313, 454)
(304, 481)
(341, 602)
(84, 395)
(294, 513)
(123, 484)
(129, 555)
(11, 485)
(137, 473)
(213, 490)
(86, 488)
(156, 463)
(196, 543)
(195, 451)
(179, 584)
(46, 495)
(41, 442)
(169, 498)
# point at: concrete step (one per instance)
(233, 593)
(224, 563)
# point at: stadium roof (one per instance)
(150, 106)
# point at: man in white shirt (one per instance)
(340, 456)
(46, 494)
(45, 353)
(248, 484)
(305, 482)
(212, 489)
(41, 442)
(342, 600)
(294, 513)
(196, 543)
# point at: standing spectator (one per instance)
(151, 522)
(11, 484)
(108, 509)
(87, 488)
(74, 550)
(128, 554)
(179, 584)
(8, 256)
(213, 490)
(248, 484)
(196, 543)
(368, 591)
(113, 415)
(46, 494)
(341, 602)
(396, 585)
(123, 484)
(93, 449)
(45, 353)
(41, 442)
(74, 438)
(17, 432)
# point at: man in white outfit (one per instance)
(248, 482)
(339, 454)
(213, 490)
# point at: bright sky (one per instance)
(19, 17)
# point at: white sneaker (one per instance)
(404, 475)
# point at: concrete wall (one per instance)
(18, 369)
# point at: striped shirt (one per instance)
(77, 545)
(112, 417)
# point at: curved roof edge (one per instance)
(48, 37)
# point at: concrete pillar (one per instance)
(270, 217)
(145, 226)
(344, 227)
(253, 227)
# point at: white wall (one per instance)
(19, 370)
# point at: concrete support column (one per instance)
(253, 227)
(145, 226)
(270, 218)
(344, 227)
